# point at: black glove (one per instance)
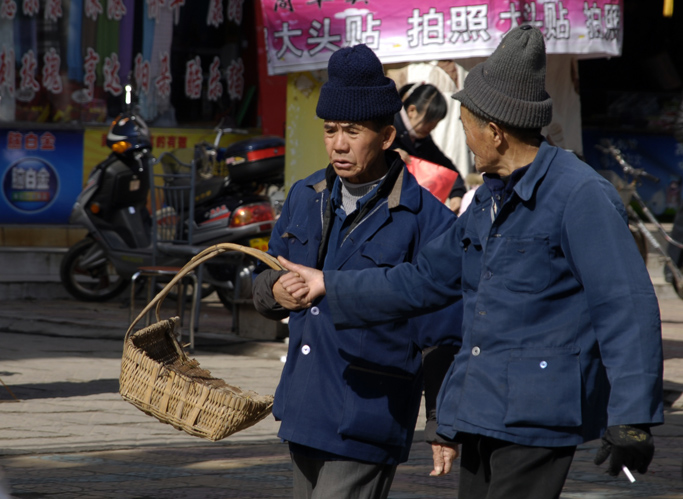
(629, 446)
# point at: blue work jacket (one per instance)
(356, 392)
(561, 329)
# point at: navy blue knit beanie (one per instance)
(357, 89)
(509, 87)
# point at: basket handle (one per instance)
(196, 261)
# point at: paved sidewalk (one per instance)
(72, 436)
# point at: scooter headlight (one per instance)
(121, 146)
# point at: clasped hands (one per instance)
(300, 287)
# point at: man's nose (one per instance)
(340, 142)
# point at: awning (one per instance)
(302, 34)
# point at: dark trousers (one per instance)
(320, 479)
(495, 469)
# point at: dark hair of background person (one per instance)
(426, 98)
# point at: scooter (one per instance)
(113, 208)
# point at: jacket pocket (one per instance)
(379, 407)
(527, 264)
(384, 255)
(544, 390)
(296, 238)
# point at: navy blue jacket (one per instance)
(355, 392)
(561, 329)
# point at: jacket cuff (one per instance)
(262, 291)
(432, 437)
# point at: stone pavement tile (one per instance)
(247, 471)
(263, 470)
(70, 400)
(203, 471)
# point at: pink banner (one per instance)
(302, 34)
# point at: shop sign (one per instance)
(40, 175)
(302, 34)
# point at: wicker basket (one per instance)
(160, 380)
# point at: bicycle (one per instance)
(629, 195)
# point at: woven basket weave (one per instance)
(160, 380)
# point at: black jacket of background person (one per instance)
(426, 149)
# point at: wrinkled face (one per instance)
(421, 128)
(356, 149)
(480, 142)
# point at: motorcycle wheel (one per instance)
(226, 293)
(101, 283)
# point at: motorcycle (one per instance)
(229, 207)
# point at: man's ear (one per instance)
(496, 133)
(388, 135)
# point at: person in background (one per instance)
(473, 181)
(561, 328)
(423, 108)
(348, 399)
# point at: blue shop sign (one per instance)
(659, 155)
(41, 174)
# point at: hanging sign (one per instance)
(302, 34)
(40, 175)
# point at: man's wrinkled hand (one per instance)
(293, 281)
(443, 456)
(626, 446)
(308, 286)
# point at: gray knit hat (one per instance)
(357, 89)
(509, 87)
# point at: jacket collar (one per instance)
(539, 167)
(527, 185)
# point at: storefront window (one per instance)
(68, 61)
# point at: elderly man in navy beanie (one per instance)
(561, 328)
(348, 399)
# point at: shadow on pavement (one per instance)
(64, 389)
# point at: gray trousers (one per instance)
(494, 469)
(319, 479)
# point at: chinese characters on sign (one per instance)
(302, 34)
(215, 87)
(53, 10)
(215, 16)
(163, 81)
(7, 70)
(40, 175)
(30, 141)
(52, 81)
(112, 81)
(236, 79)
(31, 68)
(193, 78)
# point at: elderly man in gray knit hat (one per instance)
(561, 328)
(348, 399)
